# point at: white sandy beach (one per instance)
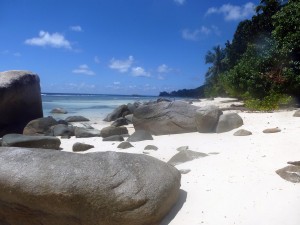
(236, 183)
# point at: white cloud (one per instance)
(55, 40)
(233, 12)
(121, 65)
(164, 69)
(160, 77)
(140, 72)
(97, 60)
(197, 33)
(84, 69)
(117, 83)
(76, 28)
(17, 54)
(180, 2)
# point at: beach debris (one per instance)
(81, 132)
(40, 126)
(228, 122)
(297, 113)
(111, 130)
(182, 148)
(76, 119)
(184, 171)
(140, 135)
(119, 122)
(130, 189)
(114, 138)
(185, 156)
(151, 147)
(271, 130)
(290, 173)
(20, 100)
(58, 111)
(26, 141)
(242, 132)
(81, 147)
(207, 118)
(125, 145)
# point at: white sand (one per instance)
(237, 186)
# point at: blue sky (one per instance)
(116, 46)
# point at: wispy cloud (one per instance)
(76, 28)
(121, 65)
(97, 60)
(117, 83)
(7, 52)
(140, 72)
(195, 35)
(179, 2)
(84, 69)
(163, 69)
(55, 40)
(233, 12)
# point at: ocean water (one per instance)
(92, 106)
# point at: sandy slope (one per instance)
(239, 184)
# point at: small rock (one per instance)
(184, 171)
(271, 130)
(185, 156)
(214, 153)
(59, 111)
(81, 132)
(242, 132)
(290, 173)
(80, 147)
(140, 135)
(228, 122)
(182, 148)
(151, 147)
(125, 145)
(113, 138)
(119, 122)
(297, 113)
(146, 153)
(76, 119)
(111, 130)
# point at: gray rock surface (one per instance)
(111, 131)
(19, 140)
(62, 130)
(103, 188)
(59, 111)
(81, 132)
(242, 132)
(140, 135)
(207, 118)
(76, 119)
(185, 156)
(20, 100)
(113, 138)
(290, 173)
(81, 147)
(295, 163)
(125, 145)
(120, 111)
(228, 122)
(165, 118)
(119, 122)
(41, 126)
(182, 148)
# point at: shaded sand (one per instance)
(237, 186)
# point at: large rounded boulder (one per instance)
(39, 186)
(166, 118)
(20, 100)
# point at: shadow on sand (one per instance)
(171, 215)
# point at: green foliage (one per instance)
(268, 103)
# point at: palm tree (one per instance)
(216, 58)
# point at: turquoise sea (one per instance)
(88, 105)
